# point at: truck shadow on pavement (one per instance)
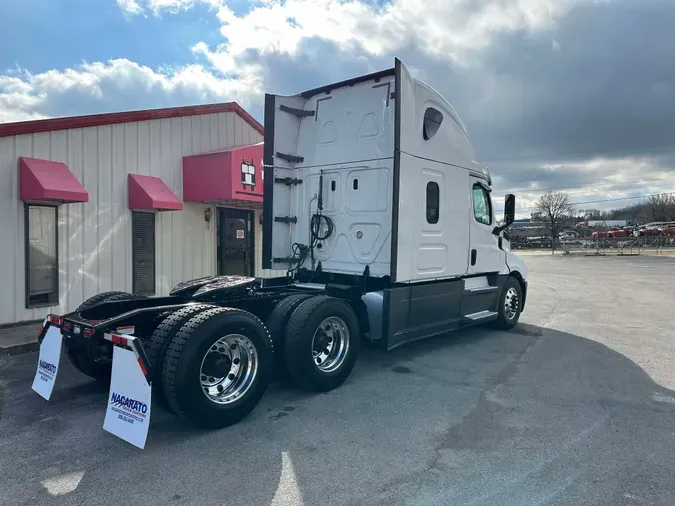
(527, 416)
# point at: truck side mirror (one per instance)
(509, 209)
(509, 214)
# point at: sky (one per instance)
(569, 95)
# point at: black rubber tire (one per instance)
(276, 325)
(81, 359)
(502, 322)
(182, 362)
(278, 318)
(98, 371)
(159, 343)
(298, 346)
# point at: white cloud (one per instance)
(130, 7)
(444, 29)
(134, 7)
(33, 96)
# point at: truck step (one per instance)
(286, 219)
(288, 181)
(290, 158)
(286, 260)
(300, 113)
(480, 315)
(482, 289)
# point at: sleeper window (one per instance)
(482, 211)
(433, 202)
(432, 122)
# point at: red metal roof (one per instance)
(47, 181)
(149, 192)
(230, 174)
(46, 125)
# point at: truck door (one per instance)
(484, 252)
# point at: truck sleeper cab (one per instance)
(375, 178)
(382, 220)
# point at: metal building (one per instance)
(134, 201)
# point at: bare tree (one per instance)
(662, 206)
(553, 210)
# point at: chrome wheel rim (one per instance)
(330, 344)
(228, 369)
(511, 304)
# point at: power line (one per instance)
(569, 153)
(539, 190)
(606, 200)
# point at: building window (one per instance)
(42, 258)
(432, 122)
(143, 252)
(433, 202)
(482, 210)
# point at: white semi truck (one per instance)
(381, 217)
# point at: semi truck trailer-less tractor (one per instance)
(382, 220)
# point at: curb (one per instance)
(19, 349)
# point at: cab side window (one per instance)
(433, 202)
(482, 210)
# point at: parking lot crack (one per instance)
(479, 420)
(511, 367)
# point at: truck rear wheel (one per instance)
(509, 305)
(278, 319)
(160, 340)
(276, 325)
(83, 360)
(217, 367)
(322, 343)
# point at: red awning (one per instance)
(44, 180)
(232, 174)
(149, 192)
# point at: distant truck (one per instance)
(385, 226)
(607, 223)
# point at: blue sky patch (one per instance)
(67, 32)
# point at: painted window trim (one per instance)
(54, 296)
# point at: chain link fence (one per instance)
(596, 242)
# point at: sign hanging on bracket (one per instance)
(48, 361)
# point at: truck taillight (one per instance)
(88, 332)
(55, 320)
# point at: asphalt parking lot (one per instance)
(576, 405)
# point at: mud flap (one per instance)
(129, 399)
(50, 355)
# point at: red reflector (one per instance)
(140, 362)
(119, 340)
(42, 328)
(88, 332)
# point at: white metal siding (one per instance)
(95, 237)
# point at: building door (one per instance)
(234, 229)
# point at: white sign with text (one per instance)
(128, 412)
(48, 362)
